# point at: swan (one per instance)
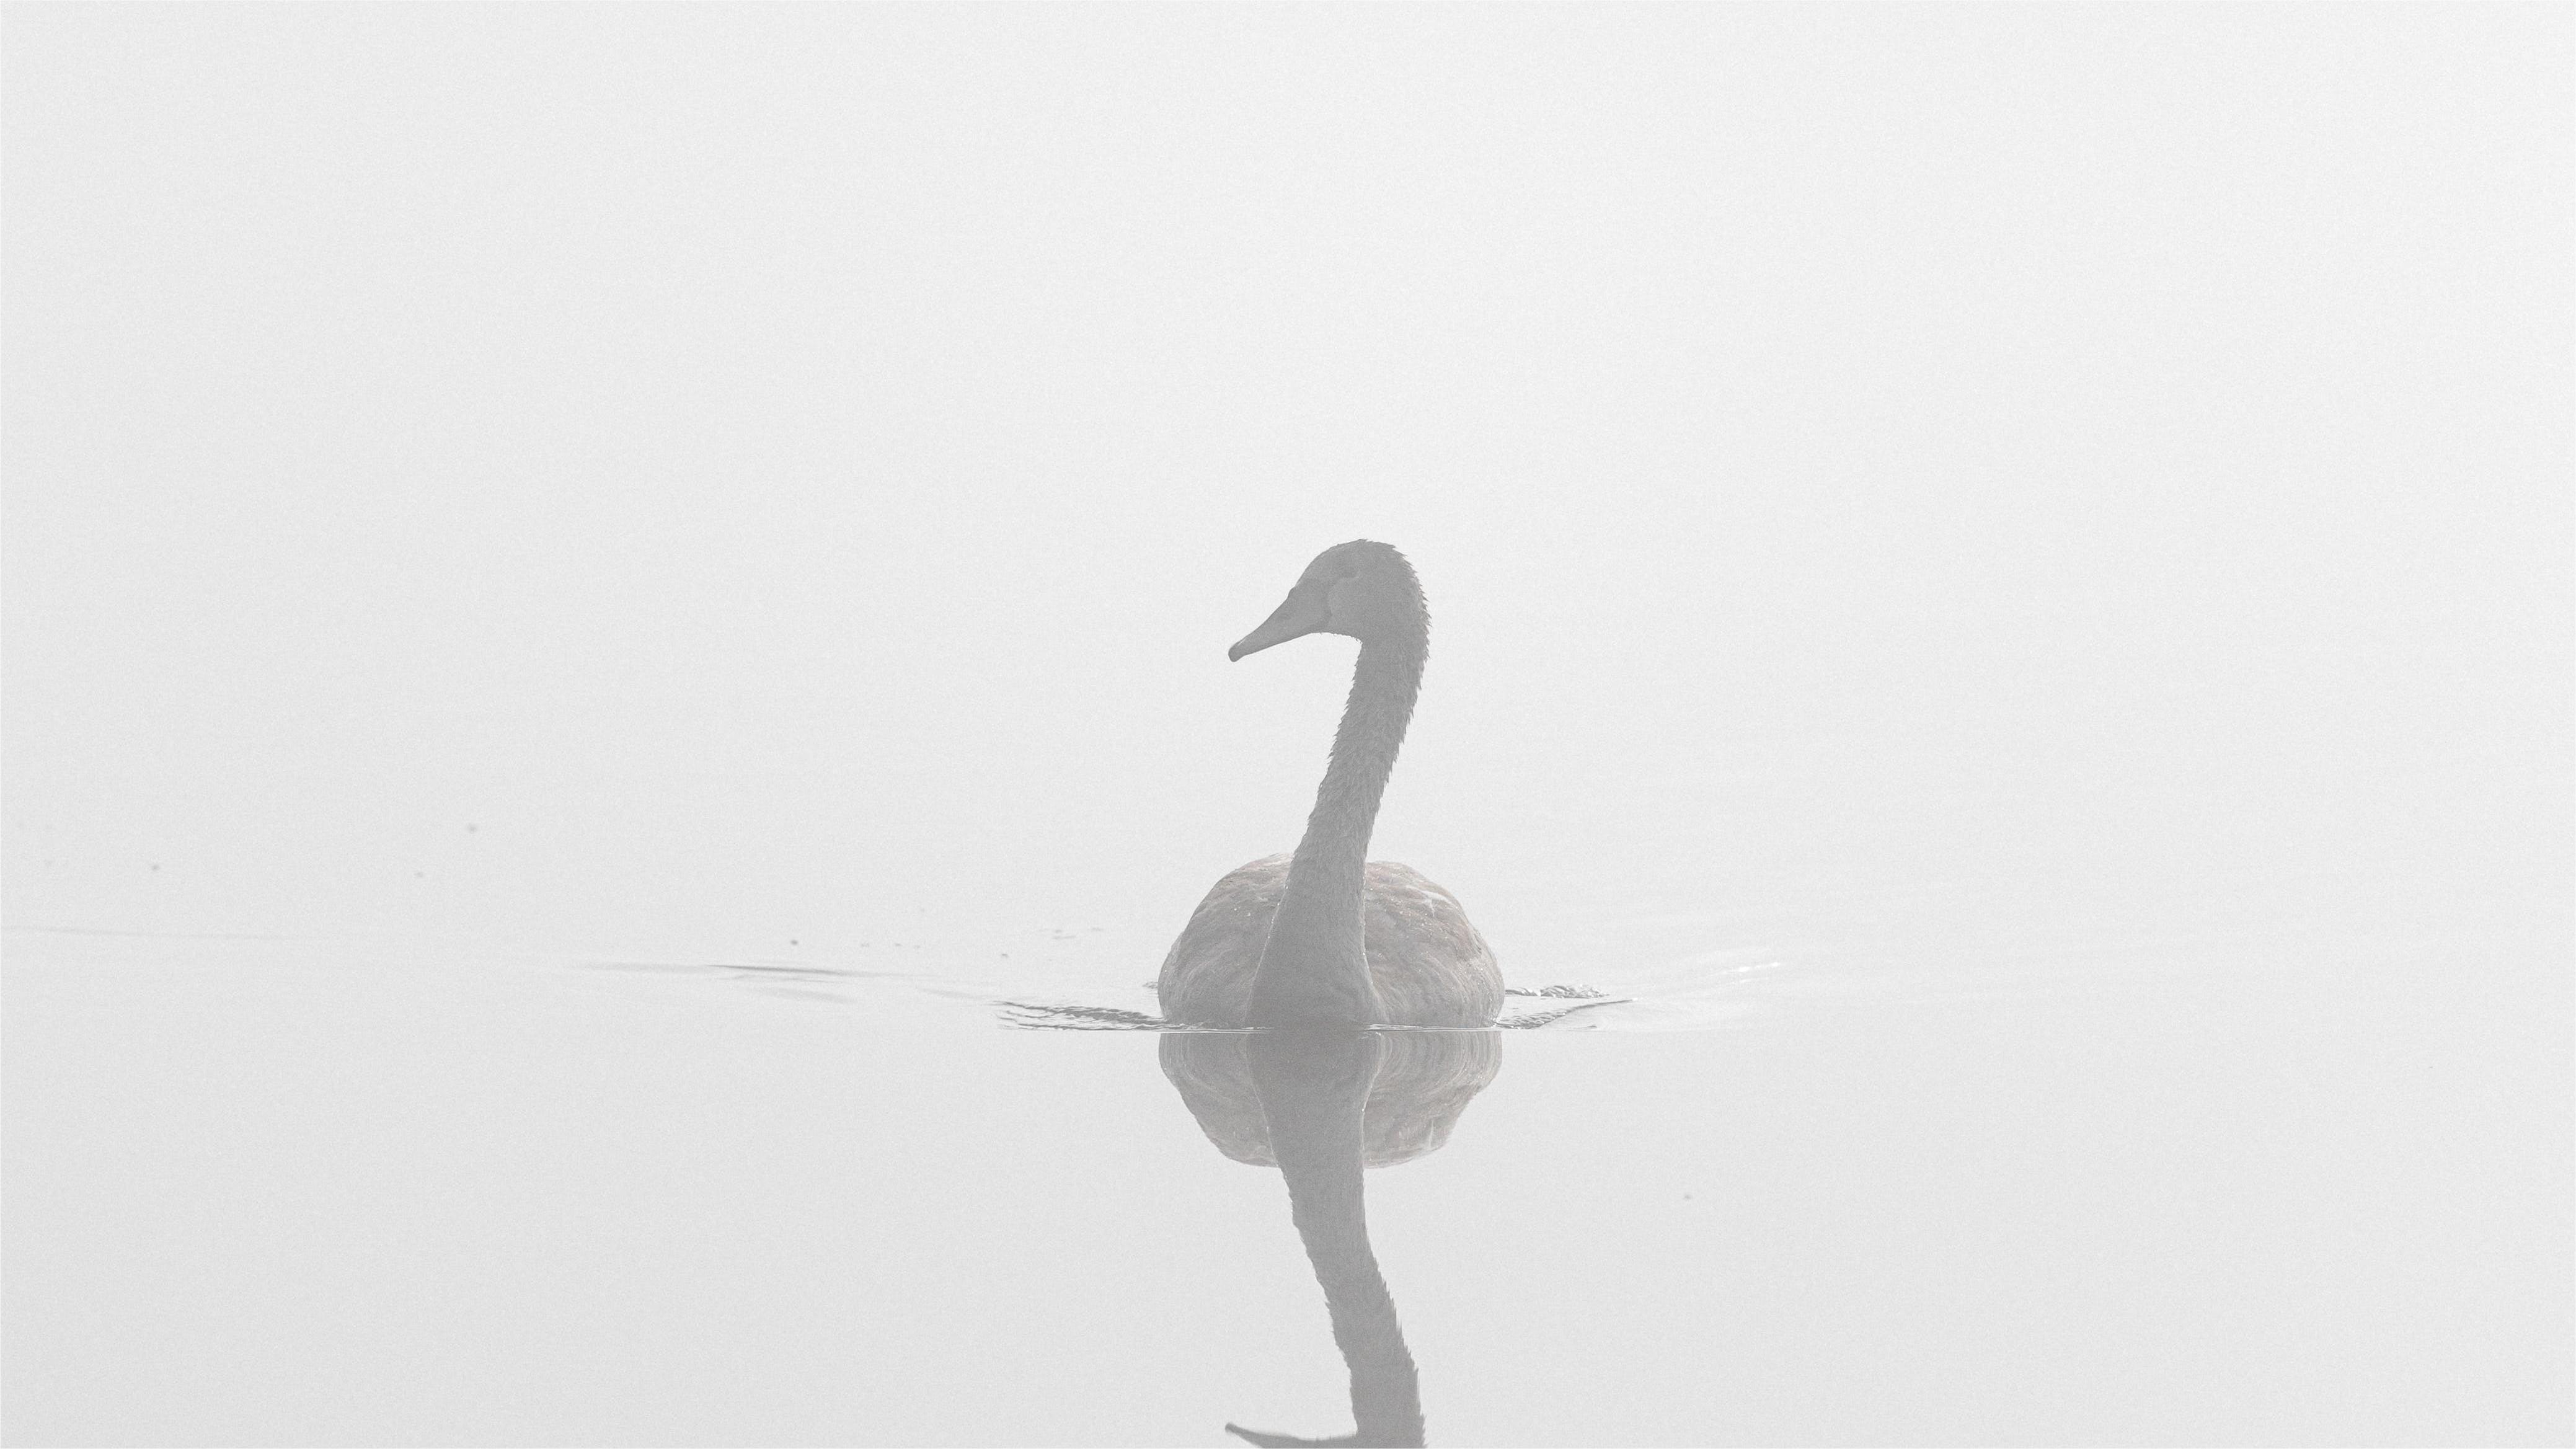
(1326, 937)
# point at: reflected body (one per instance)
(1324, 936)
(1322, 1104)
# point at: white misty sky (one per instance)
(409, 406)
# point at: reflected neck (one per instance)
(1314, 1089)
(1313, 969)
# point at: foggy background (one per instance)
(1990, 500)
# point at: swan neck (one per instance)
(1313, 968)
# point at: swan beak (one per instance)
(1301, 614)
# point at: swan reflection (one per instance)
(1321, 1104)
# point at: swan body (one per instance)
(1325, 937)
(1426, 961)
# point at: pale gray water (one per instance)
(590, 593)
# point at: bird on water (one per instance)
(1325, 936)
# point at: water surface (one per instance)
(2285, 1185)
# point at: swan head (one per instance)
(1362, 589)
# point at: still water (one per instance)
(2014, 1153)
